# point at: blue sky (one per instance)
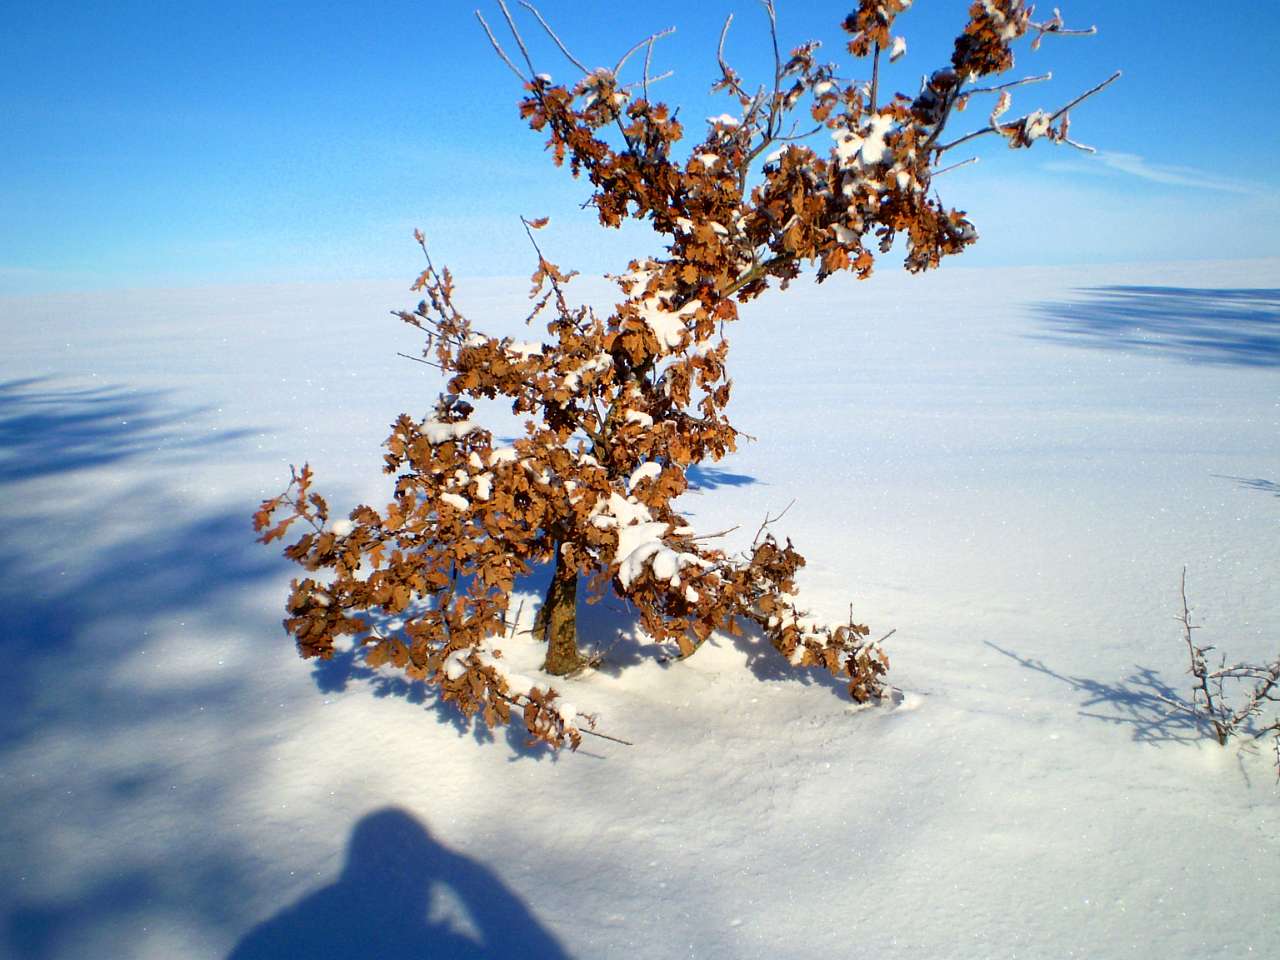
(177, 144)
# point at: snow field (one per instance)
(1014, 493)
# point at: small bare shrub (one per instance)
(1229, 701)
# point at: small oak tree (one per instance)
(618, 408)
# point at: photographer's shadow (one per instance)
(382, 906)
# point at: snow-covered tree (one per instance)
(618, 408)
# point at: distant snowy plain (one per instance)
(1008, 467)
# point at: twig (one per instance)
(730, 78)
(1083, 147)
(511, 24)
(605, 736)
(515, 702)
(1088, 93)
(562, 304)
(649, 40)
(419, 360)
(627, 87)
(990, 128)
(954, 166)
(1006, 86)
(644, 77)
(713, 536)
(552, 34)
(498, 47)
(1180, 706)
(1055, 26)
(875, 77)
(777, 67)
(771, 520)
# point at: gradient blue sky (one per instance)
(174, 144)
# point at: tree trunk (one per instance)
(559, 619)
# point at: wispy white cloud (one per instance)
(1169, 174)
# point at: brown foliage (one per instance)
(619, 407)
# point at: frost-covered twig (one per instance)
(1022, 122)
(955, 166)
(647, 41)
(1210, 702)
(717, 535)
(1056, 26)
(497, 47)
(555, 39)
(1041, 78)
(728, 75)
(516, 34)
(1087, 94)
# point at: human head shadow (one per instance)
(46, 429)
(1236, 327)
(386, 903)
(1154, 712)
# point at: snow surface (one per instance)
(1008, 467)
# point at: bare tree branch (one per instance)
(552, 34)
(875, 77)
(647, 41)
(1087, 94)
(992, 128)
(954, 166)
(769, 521)
(419, 360)
(516, 33)
(498, 47)
(1040, 78)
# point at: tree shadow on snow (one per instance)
(129, 897)
(1254, 483)
(89, 572)
(347, 667)
(607, 633)
(1235, 327)
(769, 666)
(393, 899)
(158, 558)
(47, 430)
(1138, 702)
(711, 478)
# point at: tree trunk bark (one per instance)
(560, 622)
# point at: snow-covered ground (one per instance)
(1010, 467)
